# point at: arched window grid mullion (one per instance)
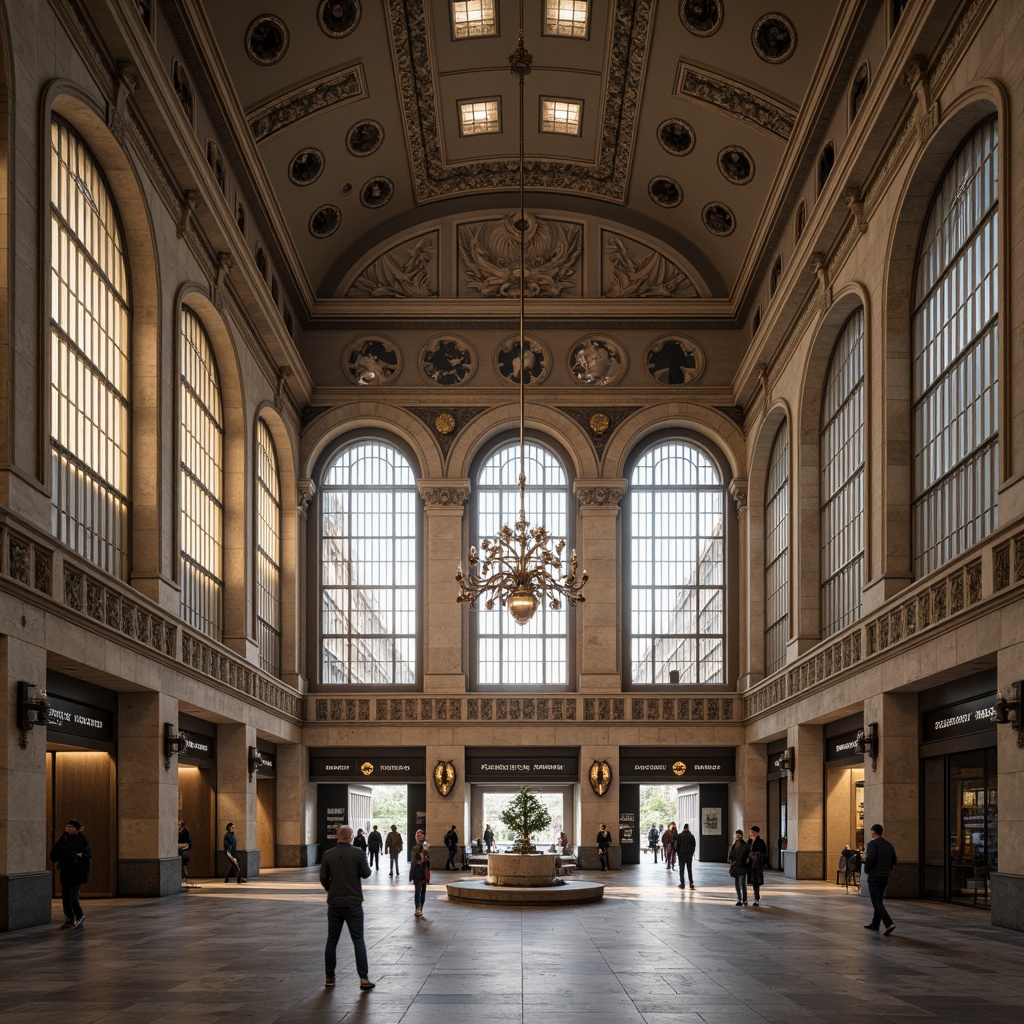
(776, 531)
(268, 552)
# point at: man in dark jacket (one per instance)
(184, 849)
(879, 860)
(231, 852)
(686, 847)
(73, 855)
(756, 857)
(374, 842)
(341, 873)
(451, 840)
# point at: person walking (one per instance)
(73, 856)
(393, 847)
(360, 841)
(738, 854)
(341, 873)
(374, 841)
(184, 849)
(231, 852)
(419, 871)
(652, 841)
(604, 842)
(668, 845)
(488, 838)
(757, 854)
(451, 841)
(879, 860)
(686, 847)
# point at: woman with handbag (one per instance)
(739, 853)
(419, 870)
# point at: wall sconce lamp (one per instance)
(867, 743)
(32, 709)
(1008, 710)
(172, 744)
(787, 763)
(254, 762)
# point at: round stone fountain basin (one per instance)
(522, 870)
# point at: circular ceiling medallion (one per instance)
(447, 360)
(718, 219)
(444, 422)
(325, 221)
(535, 361)
(665, 191)
(773, 38)
(676, 137)
(266, 39)
(701, 17)
(364, 138)
(736, 165)
(338, 17)
(370, 361)
(596, 360)
(674, 360)
(377, 192)
(307, 165)
(599, 423)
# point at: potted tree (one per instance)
(525, 816)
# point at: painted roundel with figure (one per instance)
(364, 137)
(376, 192)
(338, 17)
(773, 38)
(535, 361)
(448, 360)
(371, 361)
(674, 361)
(596, 361)
(676, 137)
(701, 17)
(266, 40)
(718, 219)
(665, 192)
(736, 165)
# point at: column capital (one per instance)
(447, 493)
(738, 493)
(306, 490)
(600, 492)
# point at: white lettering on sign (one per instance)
(522, 767)
(394, 768)
(945, 723)
(58, 717)
(338, 768)
(852, 745)
(707, 767)
(650, 767)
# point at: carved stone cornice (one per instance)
(306, 490)
(600, 493)
(916, 78)
(738, 493)
(225, 263)
(444, 493)
(819, 264)
(854, 202)
(190, 202)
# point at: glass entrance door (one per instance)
(972, 818)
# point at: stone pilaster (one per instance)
(1008, 882)
(596, 809)
(444, 507)
(804, 856)
(236, 795)
(25, 881)
(749, 792)
(747, 660)
(296, 808)
(444, 811)
(147, 797)
(598, 619)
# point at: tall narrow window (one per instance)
(368, 563)
(776, 553)
(268, 551)
(535, 655)
(956, 360)
(842, 480)
(677, 567)
(89, 359)
(202, 481)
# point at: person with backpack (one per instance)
(73, 856)
(739, 853)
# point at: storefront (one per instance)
(81, 777)
(197, 793)
(959, 796)
(777, 803)
(266, 802)
(844, 789)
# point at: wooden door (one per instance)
(83, 788)
(196, 809)
(266, 820)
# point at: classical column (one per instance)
(599, 618)
(891, 786)
(236, 796)
(750, 790)
(747, 661)
(595, 809)
(25, 881)
(147, 797)
(1008, 881)
(296, 808)
(444, 504)
(806, 814)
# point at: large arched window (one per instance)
(509, 655)
(676, 567)
(956, 359)
(268, 551)
(368, 566)
(89, 358)
(776, 553)
(842, 480)
(202, 481)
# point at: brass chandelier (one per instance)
(519, 569)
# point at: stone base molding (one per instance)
(148, 877)
(1008, 900)
(804, 864)
(25, 900)
(248, 863)
(589, 859)
(301, 856)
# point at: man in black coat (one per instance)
(451, 840)
(73, 855)
(374, 842)
(341, 873)
(184, 849)
(879, 860)
(686, 847)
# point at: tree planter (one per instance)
(522, 870)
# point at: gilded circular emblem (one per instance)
(444, 423)
(679, 768)
(366, 768)
(599, 423)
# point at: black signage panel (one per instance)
(843, 747)
(661, 766)
(266, 763)
(351, 768)
(70, 718)
(197, 747)
(775, 763)
(529, 768)
(970, 716)
(628, 835)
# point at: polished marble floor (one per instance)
(650, 953)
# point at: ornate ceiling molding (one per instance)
(747, 104)
(285, 111)
(608, 178)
